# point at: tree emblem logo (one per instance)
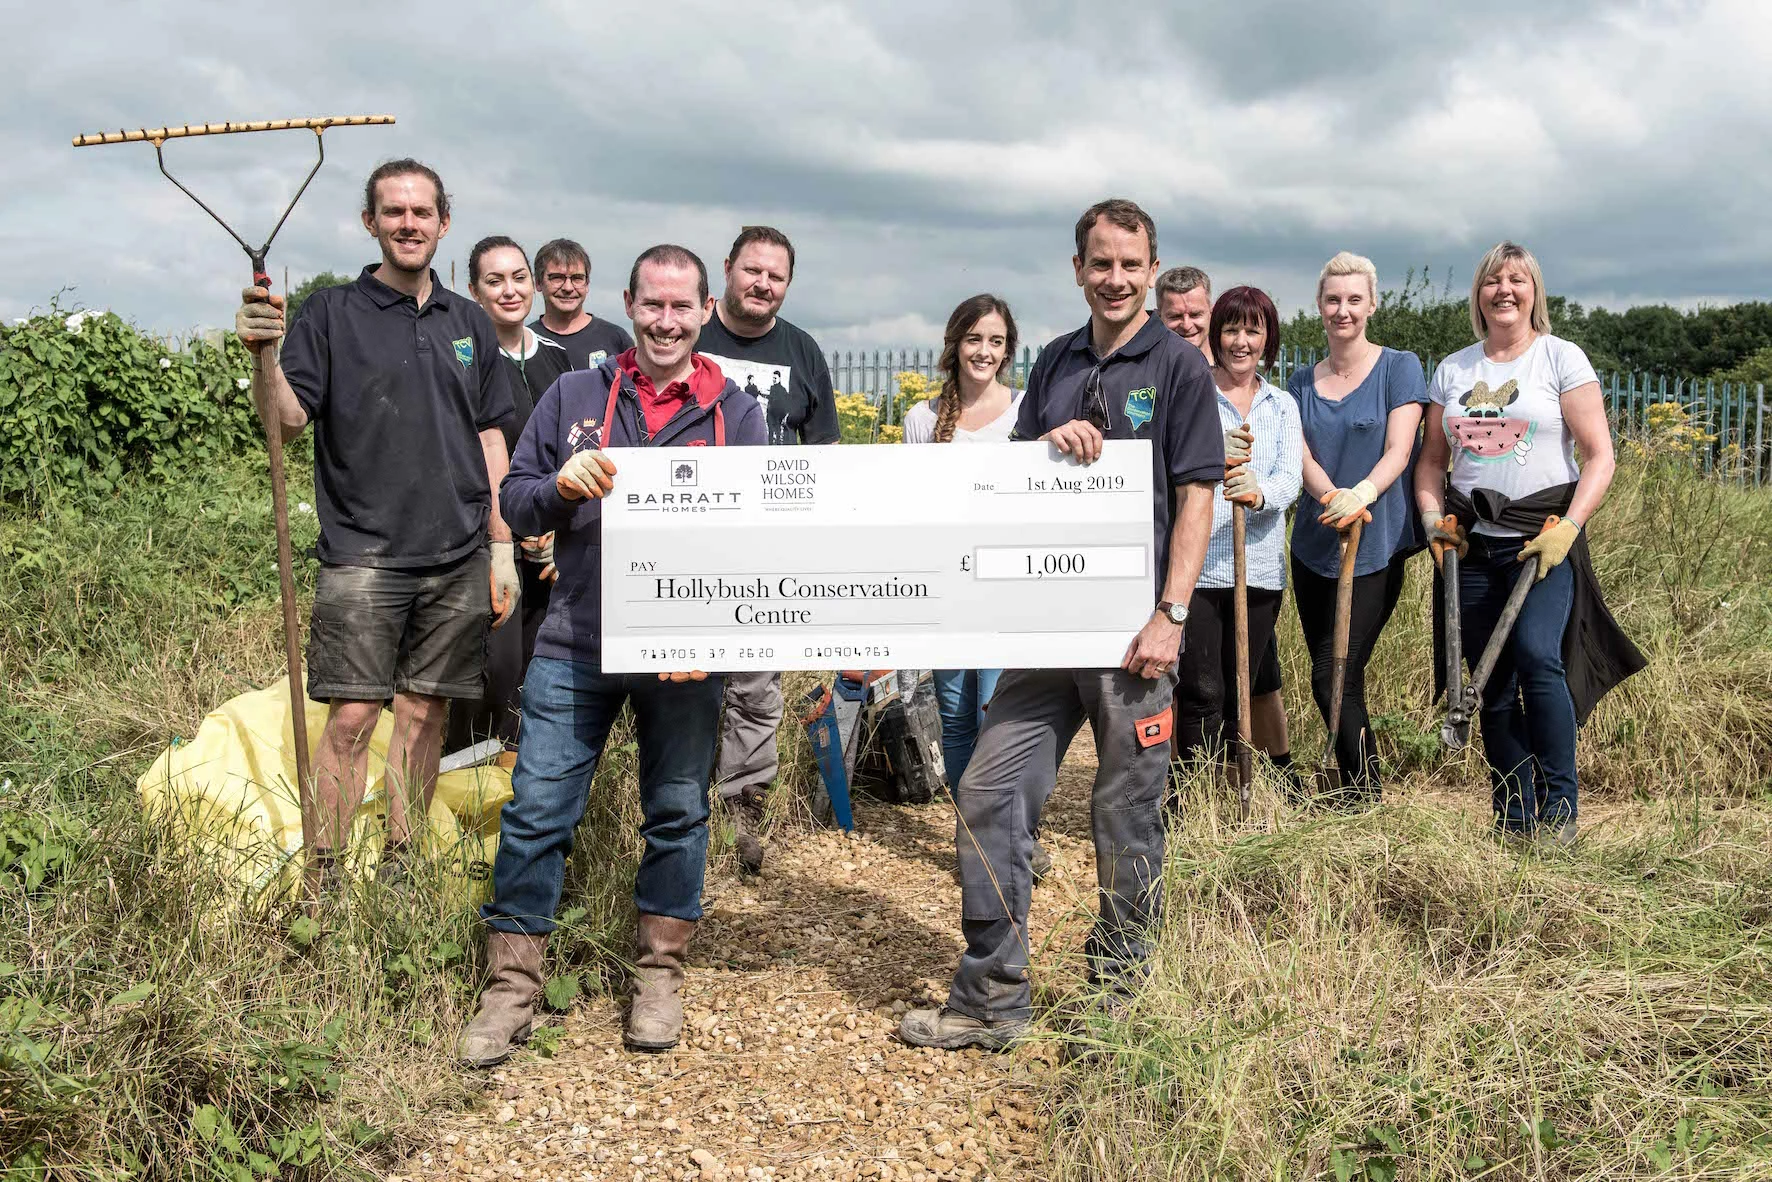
(683, 474)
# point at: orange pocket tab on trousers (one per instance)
(1155, 729)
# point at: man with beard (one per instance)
(402, 381)
(564, 270)
(747, 337)
(1121, 376)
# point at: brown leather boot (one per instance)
(747, 832)
(655, 1016)
(507, 1006)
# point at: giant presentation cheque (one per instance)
(989, 556)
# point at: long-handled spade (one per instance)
(1240, 611)
(1329, 770)
(1463, 705)
(273, 433)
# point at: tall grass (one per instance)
(1395, 995)
(1322, 989)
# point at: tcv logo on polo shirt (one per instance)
(464, 351)
(1141, 405)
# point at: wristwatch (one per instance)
(1177, 612)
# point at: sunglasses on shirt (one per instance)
(1095, 407)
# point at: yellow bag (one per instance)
(231, 792)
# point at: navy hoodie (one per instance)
(570, 418)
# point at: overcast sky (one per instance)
(916, 151)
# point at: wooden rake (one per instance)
(273, 432)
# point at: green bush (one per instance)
(87, 399)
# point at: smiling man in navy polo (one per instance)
(401, 380)
(1121, 376)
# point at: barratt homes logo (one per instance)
(683, 474)
(1141, 405)
(464, 351)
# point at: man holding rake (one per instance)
(401, 380)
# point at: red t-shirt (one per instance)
(658, 406)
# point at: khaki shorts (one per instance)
(376, 631)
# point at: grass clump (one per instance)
(1397, 994)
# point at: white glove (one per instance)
(1239, 445)
(1342, 505)
(585, 474)
(540, 550)
(506, 589)
(1240, 485)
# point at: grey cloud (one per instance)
(918, 151)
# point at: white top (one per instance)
(919, 423)
(1504, 419)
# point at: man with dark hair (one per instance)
(1121, 376)
(564, 271)
(1184, 304)
(749, 340)
(658, 394)
(402, 381)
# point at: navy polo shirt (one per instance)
(1158, 388)
(397, 395)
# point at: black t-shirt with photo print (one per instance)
(784, 370)
(590, 344)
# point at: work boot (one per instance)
(507, 1006)
(1042, 863)
(1557, 834)
(950, 1030)
(655, 1016)
(747, 826)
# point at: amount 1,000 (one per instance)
(1061, 562)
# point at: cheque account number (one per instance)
(747, 595)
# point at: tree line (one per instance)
(1724, 343)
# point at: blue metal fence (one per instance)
(1726, 421)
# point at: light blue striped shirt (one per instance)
(1279, 469)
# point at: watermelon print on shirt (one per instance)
(1504, 419)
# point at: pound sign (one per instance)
(965, 563)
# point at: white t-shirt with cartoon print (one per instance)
(1504, 419)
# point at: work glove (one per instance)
(585, 474)
(1239, 444)
(506, 590)
(1443, 534)
(540, 550)
(1240, 485)
(1551, 545)
(259, 322)
(1342, 505)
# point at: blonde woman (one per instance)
(1361, 408)
(1509, 413)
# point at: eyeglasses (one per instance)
(1095, 407)
(555, 279)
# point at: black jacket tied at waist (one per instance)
(1597, 655)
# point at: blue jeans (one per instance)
(962, 695)
(1528, 715)
(568, 709)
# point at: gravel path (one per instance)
(789, 1068)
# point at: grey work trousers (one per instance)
(747, 733)
(1033, 716)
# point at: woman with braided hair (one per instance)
(974, 406)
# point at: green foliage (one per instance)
(1732, 343)
(88, 401)
(308, 287)
(1754, 369)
